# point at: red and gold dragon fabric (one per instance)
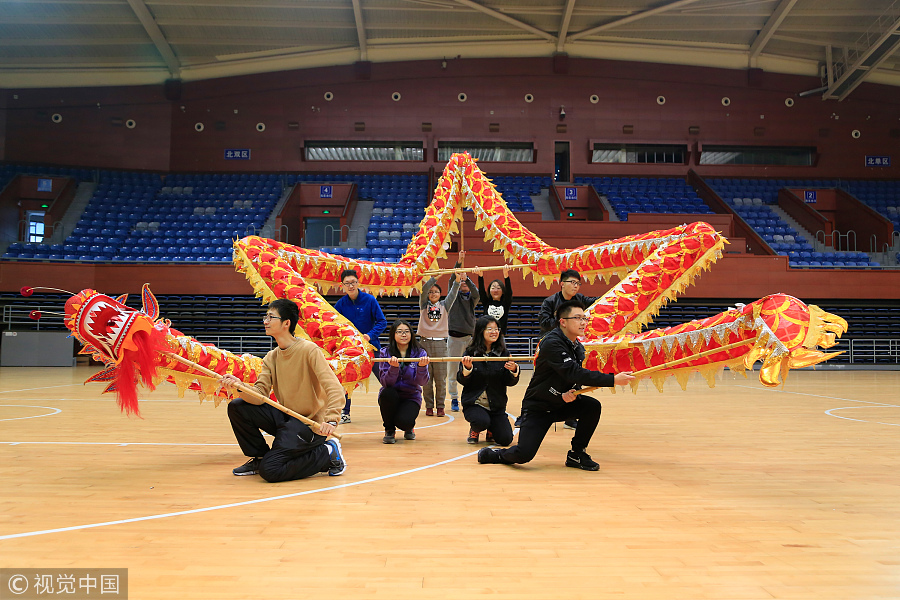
(653, 268)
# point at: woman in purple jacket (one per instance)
(400, 398)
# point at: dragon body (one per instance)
(653, 268)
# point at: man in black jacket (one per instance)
(550, 396)
(569, 283)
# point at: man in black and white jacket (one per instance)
(551, 398)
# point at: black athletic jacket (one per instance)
(547, 315)
(491, 377)
(557, 370)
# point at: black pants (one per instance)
(535, 424)
(495, 421)
(397, 412)
(297, 451)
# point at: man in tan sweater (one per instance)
(298, 373)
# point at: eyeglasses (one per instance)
(402, 332)
(582, 318)
(268, 318)
(350, 283)
(492, 330)
(574, 282)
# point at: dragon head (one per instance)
(105, 326)
(124, 339)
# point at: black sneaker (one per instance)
(409, 435)
(389, 438)
(251, 467)
(473, 436)
(338, 465)
(488, 456)
(579, 459)
(570, 424)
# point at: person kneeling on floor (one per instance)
(296, 370)
(551, 398)
(484, 383)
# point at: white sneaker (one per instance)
(345, 419)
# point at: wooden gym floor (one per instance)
(734, 492)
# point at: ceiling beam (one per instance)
(360, 31)
(768, 30)
(866, 62)
(504, 17)
(159, 40)
(564, 26)
(631, 18)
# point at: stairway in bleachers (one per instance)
(755, 201)
(882, 196)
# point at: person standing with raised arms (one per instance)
(460, 326)
(433, 333)
(497, 301)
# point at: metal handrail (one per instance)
(840, 236)
(240, 344)
(19, 316)
(329, 232)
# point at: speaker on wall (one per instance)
(172, 89)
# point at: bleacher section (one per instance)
(134, 217)
(195, 217)
(764, 189)
(647, 195)
(143, 217)
(399, 205)
(750, 199)
(517, 190)
(882, 196)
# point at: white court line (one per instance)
(750, 387)
(46, 387)
(380, 431)
(830, 414)
(449, 420)
(58, 410)
(234, 504)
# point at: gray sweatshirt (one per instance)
(433, 318)
(462, 314)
